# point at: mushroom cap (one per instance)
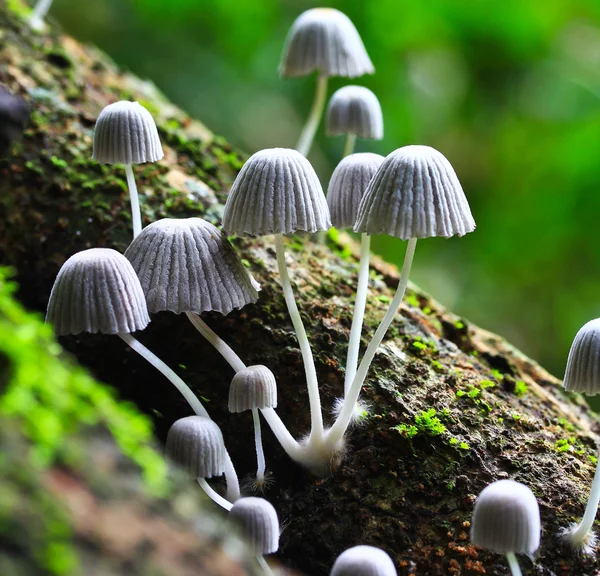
(348, 185)
(259, 523)
(354, 110)
(126, 134)
(506, 518)
(415, 194)
(253, 387)
(583, 366)
(363, 561)
(196, 444)
(188, 265)
(97, 290)
(276, 192)
(325, 40)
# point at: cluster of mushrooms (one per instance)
(188, 266)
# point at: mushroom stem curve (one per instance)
(136, 215)
(513, 564)
(349, 143)
(214, 496)
(310, 128)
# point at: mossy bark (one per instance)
(452, 407)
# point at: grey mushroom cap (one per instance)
(583, 365)
(253, 387)
(276, 192)
(363, 561)
(415, 194)
(354, 110)
(259, 523)
(348, 185)
(196, 444)
(126, 134)
(325, 40)
(97, 290)
(188, 265)
(506, 518)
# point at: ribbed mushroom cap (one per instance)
(276, 192)
(348, 185)
(325, 40)
(126, 134)
(259, 523)
(188, 265)
(354, 110)
(583, 366)
(196, 444)
(506, 519)
(97, 290)
(363, 561)
(415, 194)
(253, 387)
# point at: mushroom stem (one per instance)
(359, 312)
(287, 441)
(349, 143)
(316, 418)
(513, 564)
(136, 215)
(310, 128)
(233, 484)
(218, 343)
(217, 498)
(260, 455)
(264, 565)
(36, 20)
(338, 430)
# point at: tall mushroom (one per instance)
(326, 41)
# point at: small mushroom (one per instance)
(506, 520)
(363, 561)
(252, 388)
(196, 444)
(583, 375)
(126, 134)
(326, 41)
(354, 111)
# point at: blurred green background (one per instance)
(508, 91)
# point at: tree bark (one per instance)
(452, 407)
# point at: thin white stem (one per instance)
(136, 215)
(580, 533)
(338, 430)
(349, 143)
(263, 564)
(513, 563)
(310, 128)
(214, 496)
(218, 343)
(260, 455)
(316, 418)
(233, 484)
(36, 20)
(287, 441)
(359, 312)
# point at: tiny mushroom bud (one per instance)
(323, 40)
(506, 520)
(126, 134)
(363, 561)
(354, 111)
(583, 375)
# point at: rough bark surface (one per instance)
(452, 407)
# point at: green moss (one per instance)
(19, 7)
(335, 243)
(521, 388)
(562, 445)
(429, 423)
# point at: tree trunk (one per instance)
(452, 407)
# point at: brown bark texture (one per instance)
(451, 406)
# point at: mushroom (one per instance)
(414, 194)
(254, 388)
(354, 111)
(323, 40)
(363, 561)
(126, 134)
(36, 20)
(196, 444)
(347, 187)
(258, 522)
(583, 375)
(506, 520)
(97, 290)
